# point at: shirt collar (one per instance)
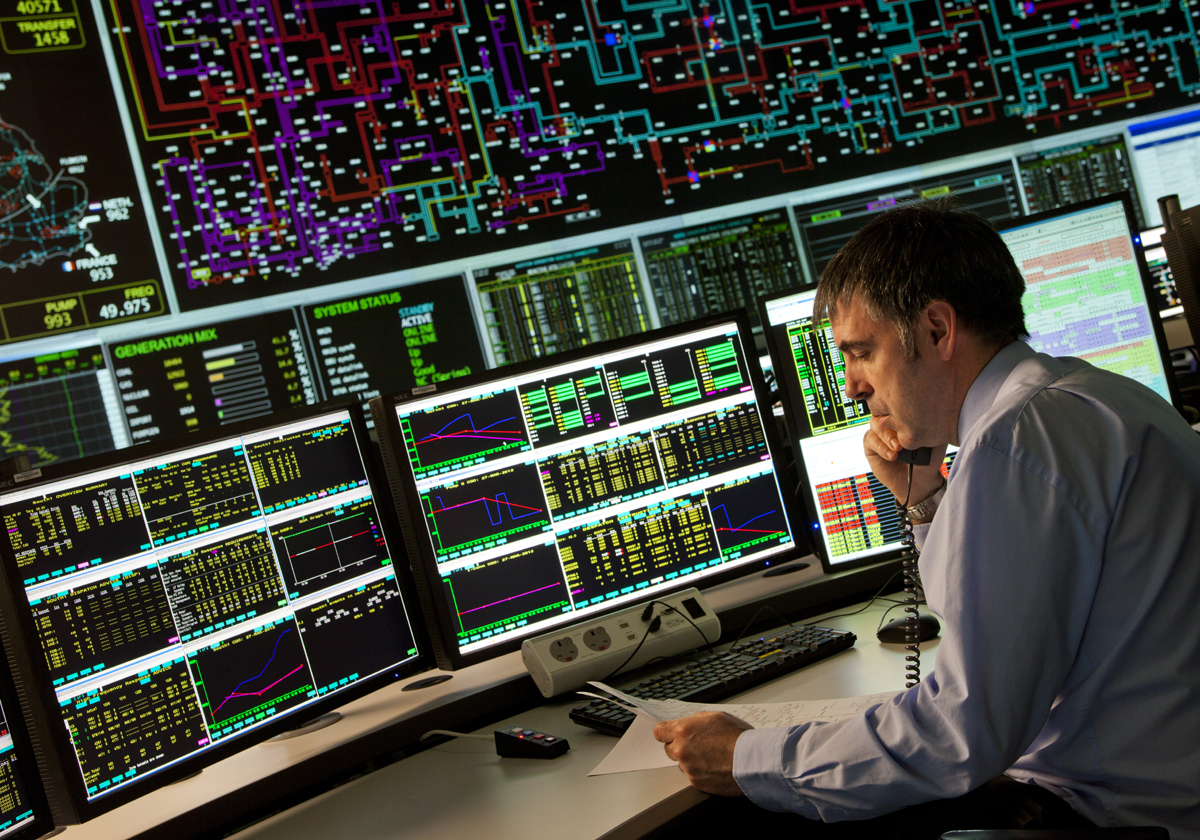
(983, 391)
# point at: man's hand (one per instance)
(881, 446)
(703, 746)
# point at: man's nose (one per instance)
(856, 387)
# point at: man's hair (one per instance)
(909, 257)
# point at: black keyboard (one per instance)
(720, 675)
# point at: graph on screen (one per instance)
(58, 406)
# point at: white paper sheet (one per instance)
(637, 749)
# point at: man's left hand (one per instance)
(703, 746)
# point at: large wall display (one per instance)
(356, 197)
(290, 145)
(75, 250)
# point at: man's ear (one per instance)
(939, 327)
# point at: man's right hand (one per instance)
(881, 446)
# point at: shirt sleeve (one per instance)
(1011, 562)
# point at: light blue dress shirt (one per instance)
(1065, 562)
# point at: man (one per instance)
(1063, 556)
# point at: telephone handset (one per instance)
(915, 457)
(919, 457)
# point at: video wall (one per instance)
(242, 207)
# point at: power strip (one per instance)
(566, 659)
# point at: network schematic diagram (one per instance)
(289, 144)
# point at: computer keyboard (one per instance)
(720, 675)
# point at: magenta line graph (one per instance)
(742, 528)
(499, 499)
(505, 435)
(261, 691)
(511, 598)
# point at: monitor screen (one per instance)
(854, 516)
(392, 340)
(721, 266)
(176, 604)
(1087, 292)
(59, 406)
(24, 812)
(825, 226)
(541, 306)
(1166, 152)
(1069, 174)
(1168, 300)
(213, 375)
(534, 498)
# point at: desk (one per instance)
(461, 789)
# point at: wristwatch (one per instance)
(925, 510)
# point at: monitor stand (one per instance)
(428, 682)
(309, 726)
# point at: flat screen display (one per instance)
(179, 602)
(1087, 291)
(566, 489)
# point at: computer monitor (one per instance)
(720, 266)
(825, 226)
(1168, 300)
(59, 406)
(213, 375)
(1088, 290)
(393, 339)
(1066, 175)
(177, 603)
(852, 515)
(1166, 152)
(548, 304)
(24, 810)
(538, 495)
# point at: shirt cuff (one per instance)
(758, 771)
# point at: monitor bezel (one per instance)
(404, 489)
(40, 713)
(1139, 252)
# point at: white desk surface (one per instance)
(461, 789)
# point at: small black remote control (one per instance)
(518, 742)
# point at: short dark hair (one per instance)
(905, 259)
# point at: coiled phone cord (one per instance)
(908, 563)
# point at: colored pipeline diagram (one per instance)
(291, 143)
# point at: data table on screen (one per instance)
(393, 339)
(186, 598)
(1063, 176)
(1084, 295)
(1166, 154)
(561, 301)
(622, 472)
(721, 266)
(991, 191)
(213, 375)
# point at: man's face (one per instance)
(909, 396)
